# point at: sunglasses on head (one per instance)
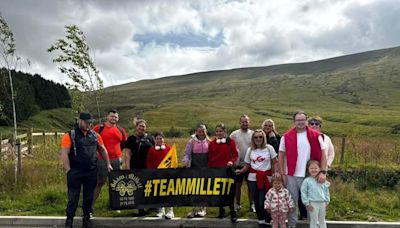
(314, 123)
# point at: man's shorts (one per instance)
(102, 167)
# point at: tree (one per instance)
(76, 63)
(9, 59)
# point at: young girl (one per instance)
(196, 155)
(222, 152)
(278, 202)
(260, 159)
(315, 195)
(154, 157)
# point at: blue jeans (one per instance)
(259, 198)
(76, 179)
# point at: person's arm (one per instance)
(304, 195)
(267, 202)
(127, 158)
(281, 157)
(324, 167)
(245, 168)
(104, 153)
(65, 159)
(331, 151)
(235, 153)
(188, 154)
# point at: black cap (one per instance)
(85, 116)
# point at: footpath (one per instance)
(123, 222)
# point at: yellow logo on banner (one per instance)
(170, 160)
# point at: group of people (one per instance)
(268, 162)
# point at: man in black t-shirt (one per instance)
(136, 148)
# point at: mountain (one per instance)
(355, 94)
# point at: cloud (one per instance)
(133, 40)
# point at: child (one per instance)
(196, 155)
(314, 195)
(278, 202)
(154, 157)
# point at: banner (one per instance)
(154, 188)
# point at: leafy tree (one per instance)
(9, 60)
(76, 62)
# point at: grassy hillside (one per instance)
(54, 119)
(356, 95)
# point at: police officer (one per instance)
(79, 148)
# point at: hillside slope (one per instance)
(357, 94)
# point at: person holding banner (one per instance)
(260, 159)
(136, 149)
(222, 152)
(158, 158)
(196, 155)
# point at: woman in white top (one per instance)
(316, 124)
(260, 159)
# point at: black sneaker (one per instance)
(69, 222)
(87, 222)
(221, 214)
(233, 216)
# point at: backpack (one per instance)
(122, 143)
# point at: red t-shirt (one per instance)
(220, 154)
(155, 157)
(112, 137)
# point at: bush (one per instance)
(174, 132)
(368, 177)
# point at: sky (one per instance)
(135, 40)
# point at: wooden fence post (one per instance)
(44, 138)
(19, 161)
(30, 140)
(55, 137)
(1, 147)
(343, 149)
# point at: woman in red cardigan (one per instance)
(154, 157)
(222, 152)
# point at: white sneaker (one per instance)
(191, 214)
(237, 207)
(160, 212)
(253, 208)
(262, 222)
(201, 213)
(170, 214)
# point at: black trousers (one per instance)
(77, 179)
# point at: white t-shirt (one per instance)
(303, 152)
(243, 142)
(259, 159)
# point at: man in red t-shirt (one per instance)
(113, 137)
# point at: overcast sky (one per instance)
(134, 40)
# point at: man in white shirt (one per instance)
(242, 138)
(297, 147)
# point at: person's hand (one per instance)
(309, 207)
(238, 171)
(269, 210)
(321, 177)
(109, 168)
(326, 206)
(67, 170)
(187, 164)
(291, 209)
(229, 164)
(276, 174)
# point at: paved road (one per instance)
(123, 222)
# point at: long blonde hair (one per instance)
(273, 125)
